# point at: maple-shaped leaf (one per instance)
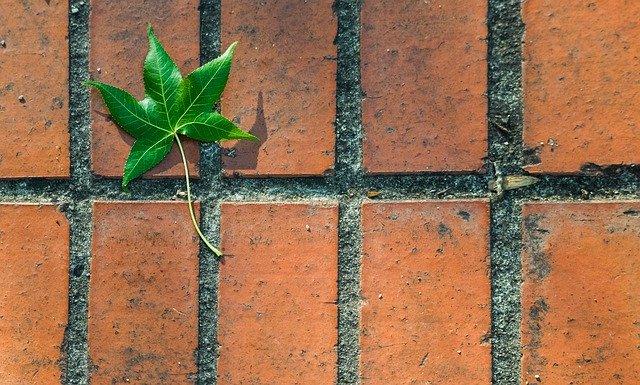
(172, 106)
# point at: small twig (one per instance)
(500, 126)
(424, 359)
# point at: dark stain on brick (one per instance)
(135, 369)
(465, 215)
(120, 35)
(537, 313)
(632, 213)
(444, 230)
(531, 155)
(135, 357)
(535, 237)
(593, 169)
(44, 41)
(248, 30)
(600, 355)
(57, 103)
(485, 339)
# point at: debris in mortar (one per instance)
(509, 182)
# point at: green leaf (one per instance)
(156, 116)
(161, 79)
(171, 106)
(203, 87)
(212, 127)
(145, 154)
(125, 110)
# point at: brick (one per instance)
(579, 65)
(424, 75)
(580, 297)
(278, 292)
(34, 89)
(34, 255)
(143, 297)
(119, 45)
(426, 295)
(282, 86)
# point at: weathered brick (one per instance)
(580, 297)
(143, 297)
(426, 293)
(119, 45)
(278, 292)
(282, 86)
(424, 74)
(34, 255)
(579, 67)
(34, 102)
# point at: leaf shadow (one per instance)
(243, 155)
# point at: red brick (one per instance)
(119, 45)
(426, 293)
(143, 298)
(278, 292)
(34, 89)
(580, 65)
(580, 297)
(424, 74)
(34, 255)
(282, 86)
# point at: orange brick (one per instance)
(580, 297)
(119, 45)
(278, 292)
(34, 89)
(282, 86)
(579, 70)
(34, 255)
(143, 297)
(424, 74)
(426, 293)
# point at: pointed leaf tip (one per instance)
(252, 137)
(162, 80)
(230, 49)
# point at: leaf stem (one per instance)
(193, 216)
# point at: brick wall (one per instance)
(363, 242)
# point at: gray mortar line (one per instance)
(76, 363)
(585, 187)
(506, 276)
(348, 179)
(419, 186)
(208, 189)
(78, 211)
(349, 292)
(505, 107)
(434, 186)
(208, 305)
